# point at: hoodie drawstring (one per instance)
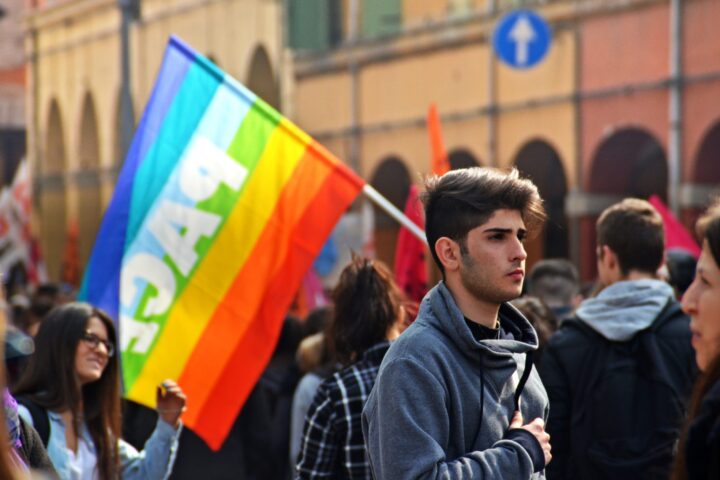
(523, 378)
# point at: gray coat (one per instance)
(443, 401)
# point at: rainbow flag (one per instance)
(221, 207)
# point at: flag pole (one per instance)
(382, 202)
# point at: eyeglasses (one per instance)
(94, 341)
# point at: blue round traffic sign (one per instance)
(522, 38)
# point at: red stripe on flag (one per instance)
(256, 347)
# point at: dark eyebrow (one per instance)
(503, 230)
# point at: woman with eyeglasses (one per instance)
(71, 390)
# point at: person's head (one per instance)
(367, 309)
(540, 317)
(317, 320)
(702, 299)
(630, 240)
(555, 281)
(75, 367)
(476, 221)
(680, 266)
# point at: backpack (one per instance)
(41, 422)
(626, 412)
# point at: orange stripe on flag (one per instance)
(256, 347)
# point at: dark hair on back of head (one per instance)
(366, 305)
(555, 280)
(464, 199)
(633, 229)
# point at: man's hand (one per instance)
(537, 428)
(170, 402)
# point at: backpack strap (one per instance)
(523, 378)
(41, 423)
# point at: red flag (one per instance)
(439, 160)
(410, 267)
(70, 269)
(676, 235)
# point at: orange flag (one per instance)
(439, 161)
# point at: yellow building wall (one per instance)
(553, 124)
(554, 76)
(413, 146)
(77, 50)
(322, 103)
(405, 88)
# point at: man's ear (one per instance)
(610, 257)
(448, 252)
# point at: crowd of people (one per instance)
(490, 377)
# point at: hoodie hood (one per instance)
(624, 308)
(443, 308)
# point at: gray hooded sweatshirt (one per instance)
(624, 308)
(442, 401)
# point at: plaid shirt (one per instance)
(333, 444)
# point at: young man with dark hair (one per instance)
(557, 283)
(618, 373)
(453, 391)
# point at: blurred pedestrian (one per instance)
(25, 456)
(315, 364)
(699, 450)
(70, 393)
(680, 266)
(618, 374)
(541, 317)
(454, 390)
(557, 283)
(367, 316)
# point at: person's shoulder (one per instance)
(573, 334)
(420, 344)
(673, 322)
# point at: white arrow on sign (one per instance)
(522, 34)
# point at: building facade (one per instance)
(624, 104)
(12, 91)
(75, 85)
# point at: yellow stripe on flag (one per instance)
(207, 287)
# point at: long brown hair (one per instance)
(367, 304)
(50, 380)
(708, 228)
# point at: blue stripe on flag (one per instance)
(101, 282)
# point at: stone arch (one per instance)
(707, 160)
(704, 179)
(52, 192)
(392, 179)
(260, 78)
(630, 162)
(540, 162)
(462, 158)
(88, 180)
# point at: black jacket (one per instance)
(702, 447)
(571, 357)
